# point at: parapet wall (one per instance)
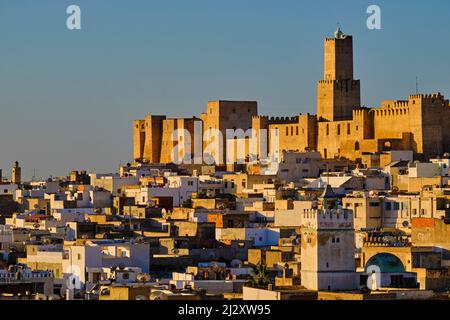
(328, 219)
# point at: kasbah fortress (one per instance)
(342, 128)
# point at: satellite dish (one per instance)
(158, 295)
(236, 263)
(104, 292)
(143, 277)
(221, 206)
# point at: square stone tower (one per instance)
(328, 246)
(16, 174)
(223, 115)
(338, 94)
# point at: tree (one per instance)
(260, 278)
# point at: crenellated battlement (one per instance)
(344, 37)
(328, 219)
(341, 85)
(387, 111)
(286, 120)
(360, 112)
(260, 118)
(437, 95)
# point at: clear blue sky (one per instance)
(68, 98)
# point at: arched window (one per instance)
(348, 128)
(357, 147)
(339, 129)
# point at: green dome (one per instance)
(387, 263)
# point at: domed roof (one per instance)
(386, 262)
(338, 34)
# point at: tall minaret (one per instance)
(16, 176)
(338, 94)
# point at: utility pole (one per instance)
(417, 85)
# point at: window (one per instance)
(287, 131)
(357, 147)
(79, 256)
(387, 206)
(338, 129)
(296, 133)
(292, 131)
(328, 129)
(190, 183)
(395, 206)
(348, 128)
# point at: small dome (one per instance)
(386, 262)
(338, 34)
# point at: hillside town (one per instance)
(350, 204)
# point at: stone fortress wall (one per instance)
(341, 128)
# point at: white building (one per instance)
(79, 260)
